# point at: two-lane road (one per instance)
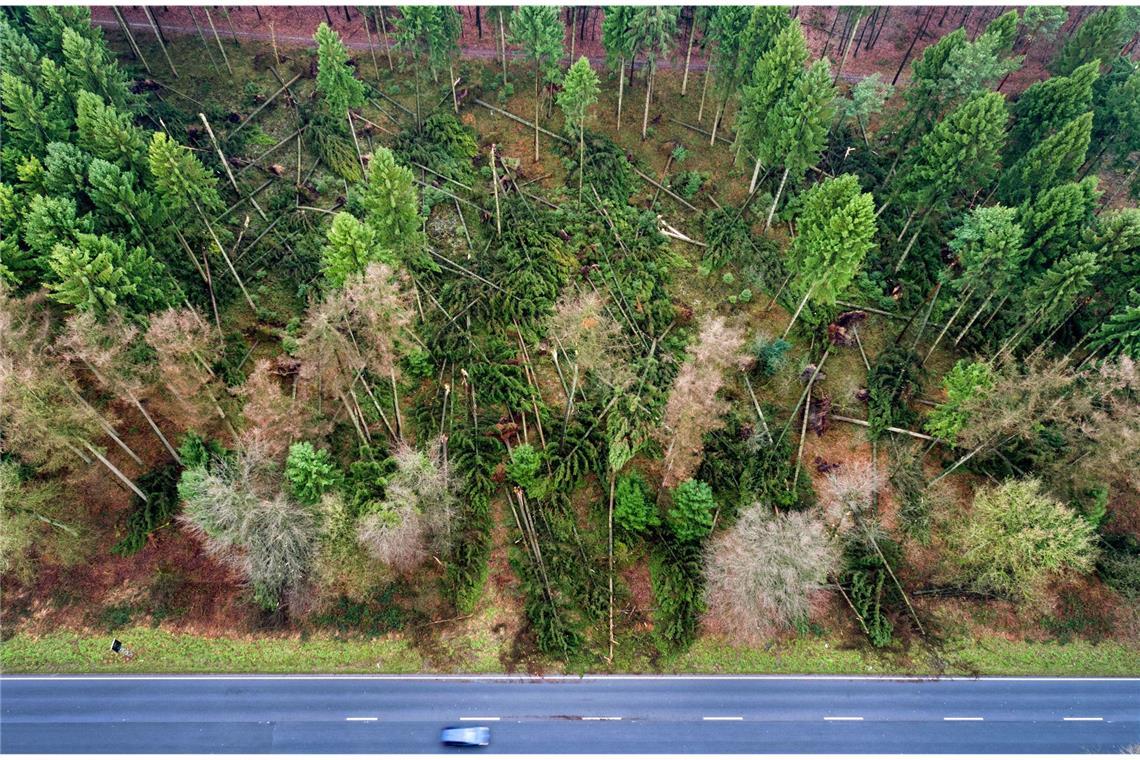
(594, 714)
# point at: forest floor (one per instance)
(180, 611)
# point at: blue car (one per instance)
(465, 736)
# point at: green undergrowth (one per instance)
(158, 651)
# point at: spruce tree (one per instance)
(797, 127)
(990, 254)
(1050, 298)
(1053, 161)
(1048, 105)
(726, 32)
(1116, 106)
(336, 80)
(350, 247)
(537, 30)
(772, 78)
(1120, 333)
(1056, 221)
(657, 26)
(415, 30)
(390, 207)
(579, 92)
(91, 66)
(1099, 37)
(179, 178)
(99, 274)
(30, 122)
(49, 220)
(958, 157)
(925, 94)
(109, 134)
(834, 232)
(619, 38)
(975, 66)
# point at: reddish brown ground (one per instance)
(293, 26)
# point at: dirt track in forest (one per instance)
(885, 45)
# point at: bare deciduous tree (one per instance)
(414, 520)
(186, 349)
(763, 572)
(693, 408)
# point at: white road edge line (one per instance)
(1082, 718)
(362, 718)
(600, 717)
(963, 719)
(842, 717)
(722, 717)
(477, 717)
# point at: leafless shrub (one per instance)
(40, 416)
(257, 531)
(360, 327)
(580, 324)
(762, 573)
(415, 517)
(693, 408)
(848, 494)
(186, 348)
(272, 415)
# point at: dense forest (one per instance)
(592, 361)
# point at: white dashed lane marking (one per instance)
(1082, 719)
(362, 719)
(842, 717)
(963, 718)
(477, 717)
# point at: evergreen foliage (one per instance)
(310, 472)
(691, 515)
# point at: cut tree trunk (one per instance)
(776, 200)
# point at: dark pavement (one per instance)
(356, 714)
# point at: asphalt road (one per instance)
(353, 714)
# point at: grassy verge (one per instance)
(158, 651)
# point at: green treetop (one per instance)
(1120, 333)
(1056, 221)
(798, 125)
(97, 273)
(619, 38)
(109, 134)
(774, 75)
(1048, 105)
(336, 81)
(538, 31)
(391, 206)
(1100, 37)
(1051, 162)
(579, 92)
(834, 232)
(179, 177)
(959, 156)
(351, 245)
(657, 26)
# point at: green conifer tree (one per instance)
(657, 26)
(797, 127)
(579, 92)
(336, 80)
(538, 31)
(834, 232)
(109, 134)
(774, 75)
(350, 248)
(1049, 105)
(1053, 161)
(99, 274)
(1056, 221)
(1099, 37)
(390, 207)
(619, 38)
